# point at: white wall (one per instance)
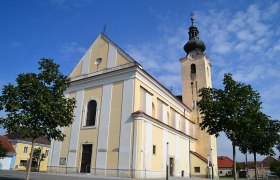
(5, 163)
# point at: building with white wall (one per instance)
(128, 124)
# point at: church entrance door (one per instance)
(86, 158)
(171, 164)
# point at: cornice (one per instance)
(141, 115)
(103, 77)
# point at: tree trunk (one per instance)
(39, 161)
(30, 160)
(39, 165)
(233, 157)
(256, 169)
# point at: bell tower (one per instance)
(196, 74)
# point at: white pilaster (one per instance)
(72, 154)
(178, 168)
(103, 132)
(85, 62)
(187, 151)
(164, 150)
(148, 146)
(54, 153)
(164, 113)
(112, 56)
(187, 127)
(149, 102)
(126, 129)
(177, 121)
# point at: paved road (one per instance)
(20, 175)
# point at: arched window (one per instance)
(91, 113)
(193, 68)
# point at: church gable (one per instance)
(103, 54)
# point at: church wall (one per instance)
(153, 165)
(121, 60)
(168, 110)
(126, 150)
(105, 115)
(77, 70)
(114, 127)
(200, 79)
(98, 50)
(88, 135)
(169, 114)
(196, 162)
(138, 148)
(65, 146)
(111, 137)
(101, 48)
(158, 156)
(62, 147)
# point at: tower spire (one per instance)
(194, 44)
(192, 18)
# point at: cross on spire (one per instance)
(192, 17)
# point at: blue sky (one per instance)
(241, 37)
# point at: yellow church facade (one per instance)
(127, 124)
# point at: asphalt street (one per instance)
(20, 175)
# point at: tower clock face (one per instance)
(191, 56)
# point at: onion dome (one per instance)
(194, 44)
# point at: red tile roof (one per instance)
(224, 162)
(18, 136)
(6, 144)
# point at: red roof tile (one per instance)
(6, 144)
(224, 162)
(18, 136)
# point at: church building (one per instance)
(127, 124)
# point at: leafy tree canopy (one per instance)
(36, 105)
(229, 110)
(275, 166)
(260, 135)
(226, 110)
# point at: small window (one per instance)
(91, 113)
(221, 172)
(23, 163)
(25, 149)
(193, 68)
(62, 161)
(47, 153)
(154, 150)
(229, 173)
(197, 169)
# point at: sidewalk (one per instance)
(113, 177)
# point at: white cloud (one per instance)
(70, 49)
(244, 43)
(69, 4)
(161, 57)
(16, 44)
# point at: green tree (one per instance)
(226, 110)
(259, 137)
(36, 105)
(38, 156)
(275, 166)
